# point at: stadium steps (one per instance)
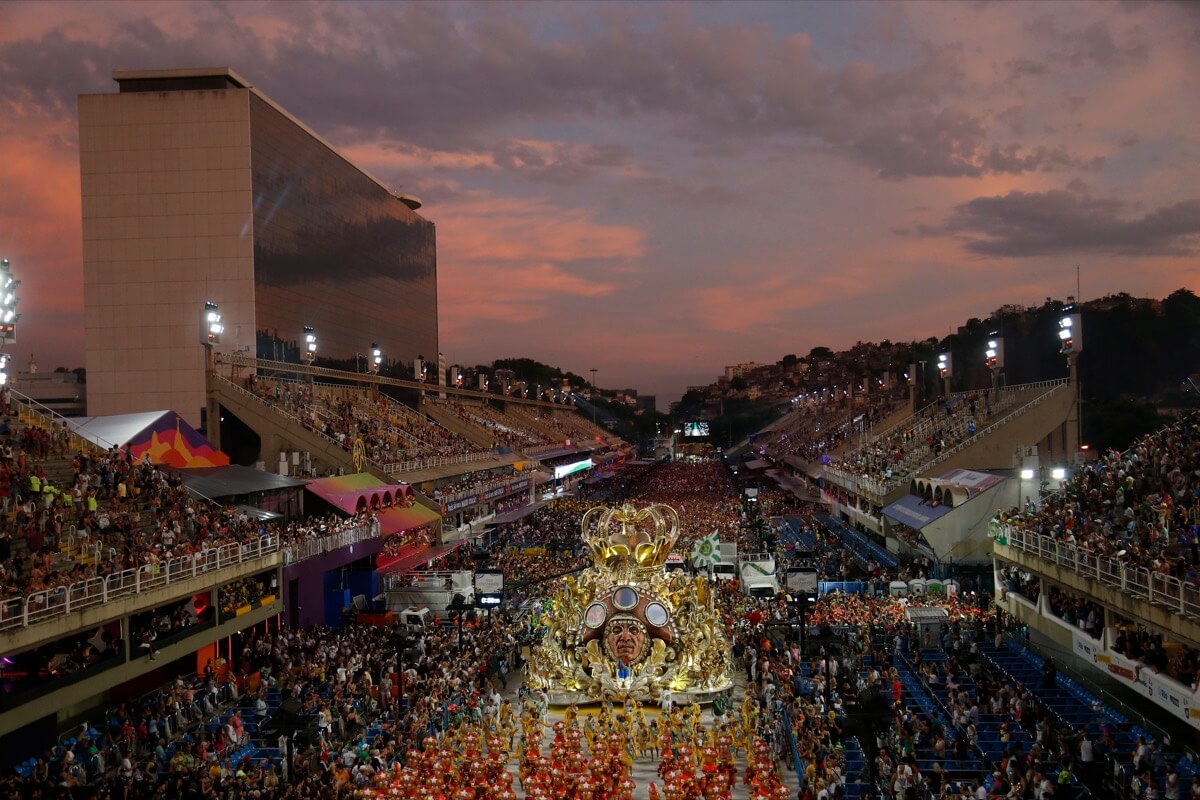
(535, 424)
(1026, 417)
(448, 418)
(864, 549)
(282, 431)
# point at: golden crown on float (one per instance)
(640, 537)
(627, 626)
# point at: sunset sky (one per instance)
(657, 190)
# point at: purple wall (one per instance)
(307, 607)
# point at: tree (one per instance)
(820, 354)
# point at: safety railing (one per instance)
(398, 467)
(1159, 589)
(60, 601)
(426, 579)
(283, 412)
(36, 413)
(316, 545)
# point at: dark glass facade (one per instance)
(334, 250)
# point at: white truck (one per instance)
(432, 590)
(726, 569)
(757, 574)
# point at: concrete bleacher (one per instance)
(1023, 414)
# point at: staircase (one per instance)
(280, 431)
(448, 418)
(1026, 415)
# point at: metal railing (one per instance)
(1156, 588)
(317, 545)
(447, 580)
(282, 411)
(60, 601)
(43, 416)
(398, 467)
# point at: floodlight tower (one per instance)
(946, 370)
(1070, 337)
(309, 354)
(376, 358)
(8, 313)
(993, 357)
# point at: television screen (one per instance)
(695, 429)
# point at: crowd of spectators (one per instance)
(837, 608)
(389, 431)
(396, 544)
(504, 429)
(1141, 506)
(476, 481)
(897, 454)
(116, 513)
(820, 427)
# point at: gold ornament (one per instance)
(626, 627)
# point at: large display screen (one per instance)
(335, 250)
(564, 470)
(695, 429)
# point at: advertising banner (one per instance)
(461, 503)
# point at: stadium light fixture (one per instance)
(376, 357)
(1070, 330)
(8, 303)
(310, 344)
(211, 325)
(945, 365)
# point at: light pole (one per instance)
(1070, 337)
(946, 370)
(994, 357)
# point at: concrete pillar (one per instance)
(1072, 428)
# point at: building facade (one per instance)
(198, 187)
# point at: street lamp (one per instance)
(310, 344)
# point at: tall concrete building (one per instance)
(198, 187)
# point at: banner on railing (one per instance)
(1162, 690)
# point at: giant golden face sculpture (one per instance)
(626, 626)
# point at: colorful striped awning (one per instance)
(362, 490)
(403, 518)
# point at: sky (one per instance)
(656, 190)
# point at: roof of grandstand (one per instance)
(217, 482)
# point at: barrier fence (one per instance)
(1167, 591)
(315, 546)
(59, 601)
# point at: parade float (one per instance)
(628, 627)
